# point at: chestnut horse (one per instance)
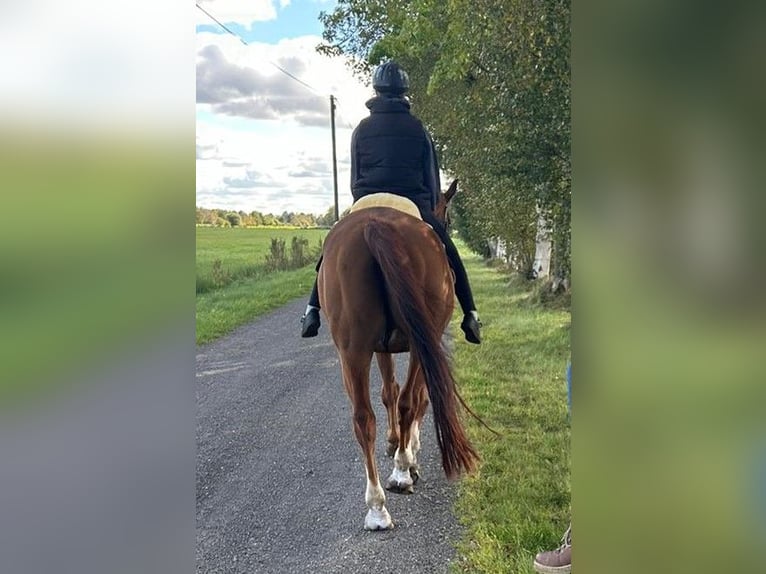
(386, 287)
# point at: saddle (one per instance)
(387, 200)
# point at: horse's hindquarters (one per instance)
(385, 286)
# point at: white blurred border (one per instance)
(114, 64)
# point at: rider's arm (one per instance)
(354, 174)
(431, 171)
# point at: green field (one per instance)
(242, 287)
(518, 503)
(242, 252)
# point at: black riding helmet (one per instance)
(389, 78)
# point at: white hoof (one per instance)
(378, 519)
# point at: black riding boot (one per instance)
(310, 320)
(471, 325)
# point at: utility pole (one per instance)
(334, 159)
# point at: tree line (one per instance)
(228, 218)
(491, 81)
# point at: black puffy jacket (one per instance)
(391, 151)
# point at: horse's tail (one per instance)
(410, 311)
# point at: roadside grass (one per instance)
(222, 310)
(518, 503)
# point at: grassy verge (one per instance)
(518, 502)
(220, 311)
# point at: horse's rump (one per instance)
(351, 273)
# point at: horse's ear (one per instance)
(450, 193)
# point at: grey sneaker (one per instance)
(557, 561)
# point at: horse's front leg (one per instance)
(356, 377)
(390, 396)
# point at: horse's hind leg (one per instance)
(410, 405)
(417, 424)
(390, 396)
(356, 377)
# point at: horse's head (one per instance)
(440, 211)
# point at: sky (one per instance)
(263, 139)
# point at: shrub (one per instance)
(221, 276)
(299, 255)
(276, 259)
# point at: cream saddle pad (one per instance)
(387, 200)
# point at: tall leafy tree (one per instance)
(490, 78)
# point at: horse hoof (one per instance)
(378, 519)
(415, 474)
(400, 488)
(400, 483)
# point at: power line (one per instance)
(280, 68)
(214, 19)
(348, 125)
(294, 78)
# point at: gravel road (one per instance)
(280, 482)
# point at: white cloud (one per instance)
(246, 161)
(270, 168)
(245, 71)
(236, 11)
(245, 92)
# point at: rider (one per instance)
(391, 151)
